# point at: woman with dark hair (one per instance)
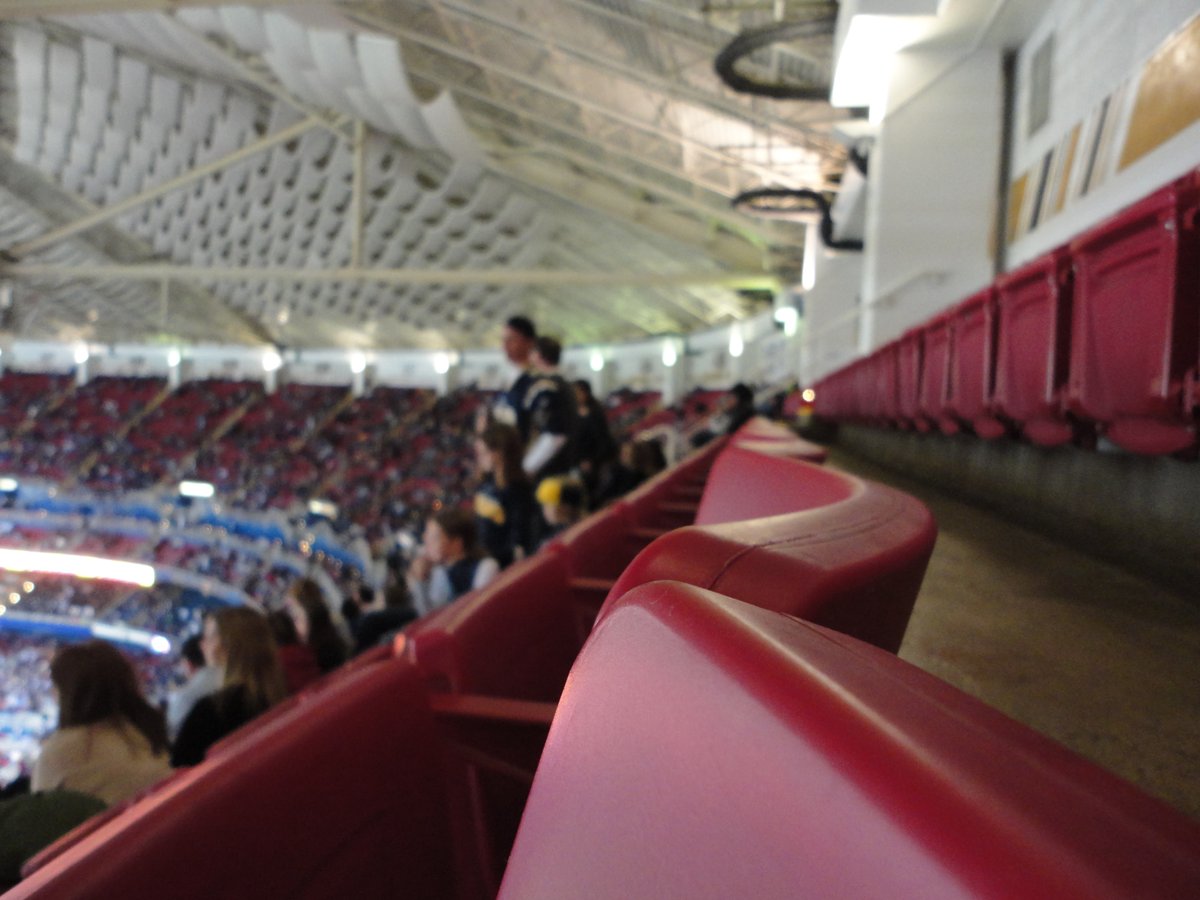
(597, 449)
(299, 664)
(110, 742)
(314, 623)
(504, 507)
(238, 641)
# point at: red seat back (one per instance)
(972, 364)
(347, 800)
(854, 563)
(744, 484)
(1033, 348)
(708, 749)
(1136, 322)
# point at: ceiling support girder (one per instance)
(552, 277)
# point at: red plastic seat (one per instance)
(709, 749)
(972, 364)
(1033, 348)
(933, 396)
(1136, 322)
(830, 548)
(908, 379)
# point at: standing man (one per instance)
(552, 447)
(509, 407)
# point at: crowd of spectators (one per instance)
(442, 492)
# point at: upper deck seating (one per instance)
(973, 364)
(1033, 348)
(1136, 320)
(708, 748)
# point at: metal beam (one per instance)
(31, 9)
(550, 277)
(356, 194)
(123, 206)
(531, 82)
(645, 79)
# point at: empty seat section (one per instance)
(1033, 348)
(851, 556)
(972, 364)
(1136, 322)
(708, 749)
(349, 799)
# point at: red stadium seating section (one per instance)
(703, 744)
(1100, 338)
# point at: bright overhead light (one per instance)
(358, 362)
(174, 357)
(788, 317)
(670, 355)
(860, 76)
(441, 363)
(199, 489)
(597, 361)
(272, 361)
(808, 395)
(81, 354)
(80, 566)
(736, 344)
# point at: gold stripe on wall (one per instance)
(1168, 98)
(1016, 198)
(1068, 164)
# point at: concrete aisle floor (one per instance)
(1104, 661)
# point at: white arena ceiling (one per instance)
(392, 174)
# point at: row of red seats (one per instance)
(712, 739)
(1100, 337)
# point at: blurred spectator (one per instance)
(239, 641)
(738, 407)
(517, 340)
(314, 623)
(563, 503)
(300, 667)
(504, 510)
(377, 625)
(110, 742)
(551, 444)
(450, 562)
(201, 679)
(596, 445)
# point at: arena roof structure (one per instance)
(402, 174)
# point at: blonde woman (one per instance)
(238, 641)
(110, 742)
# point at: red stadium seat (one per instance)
(972, 364)
(1033, 348)
(708, 749)
(908, 379)
(934, 396)
(1136, 322)
(830, 548)
(745, 484)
